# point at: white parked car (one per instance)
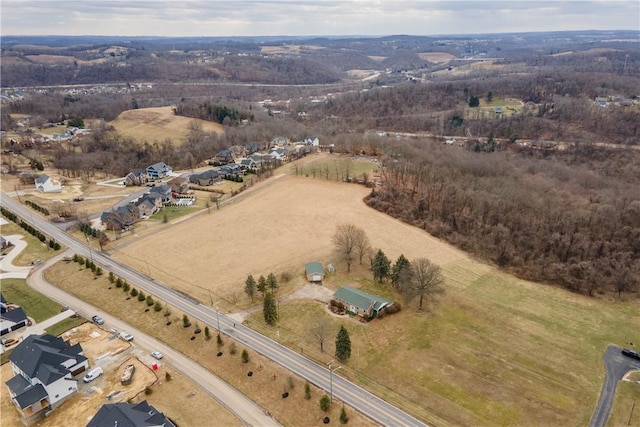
(157, 355)
(125, 336)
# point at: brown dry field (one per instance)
(175, 398)
(437, 57)
(268, 233)
(158, 124)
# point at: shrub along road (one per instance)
(353, 395)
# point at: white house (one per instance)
(44, 368)
(46, 184)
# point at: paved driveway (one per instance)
(616, 366)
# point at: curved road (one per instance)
(616, 366)
(351, 394)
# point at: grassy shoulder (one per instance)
(626, 405)
(64, 325)
(265, 386)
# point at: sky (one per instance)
(310, 17)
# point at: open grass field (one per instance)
(496, 350)
(626, 405)
(37, 249)
(159, 124)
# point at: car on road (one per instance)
(157, 355)
(125, 336)
(9, 342)
(631, 353)
(97, 320)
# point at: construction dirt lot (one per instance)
(112, 354)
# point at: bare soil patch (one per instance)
(173, 398)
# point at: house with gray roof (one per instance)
(137, 177)
(44, 368)
(206, 178)
(164, 191)
(120, 218)
(158, 170)
(46, 184)
(129, 415)
(360, 303)
(12, 317)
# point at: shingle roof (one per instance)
(129, 415)
(42, 179)
(16, 315)
(31, 396)
(359, 298)
(43, 356)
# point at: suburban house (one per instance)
(314, 271)
(249, 164)
(12, 318)
(129, 415)
(164, 191)
(278, 154)
(252, 147)
(311, 140)
(224, 156)
(46, 184)
(238, 151)
(231, 169)
(158, 170)
(120, 218)
(137, 177)
(179, 185)
(601, 101)
(147, 206)
(208, 177)
(44, 367)
(360, 303)
(279, 141)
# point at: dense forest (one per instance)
(571, 217)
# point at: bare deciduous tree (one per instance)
(320, 330)
(348, 238)
(424, 280)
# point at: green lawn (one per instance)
(626, 406)
(65, 325)
(33, 303)
(494, 351)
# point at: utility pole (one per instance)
(331, 369)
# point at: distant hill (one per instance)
(158, 124)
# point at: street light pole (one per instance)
(331, 369)
(218, 317)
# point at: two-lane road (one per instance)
(351, 394)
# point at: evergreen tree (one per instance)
(343, 344)
(325, 403)
(270, 310)
(307, 390)
(245, 356)
(272, 282)
(250, 287)
(381, 266)
(343, 416)
(399, 268)
(262, 285)
(112, 277)
(474, 101)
